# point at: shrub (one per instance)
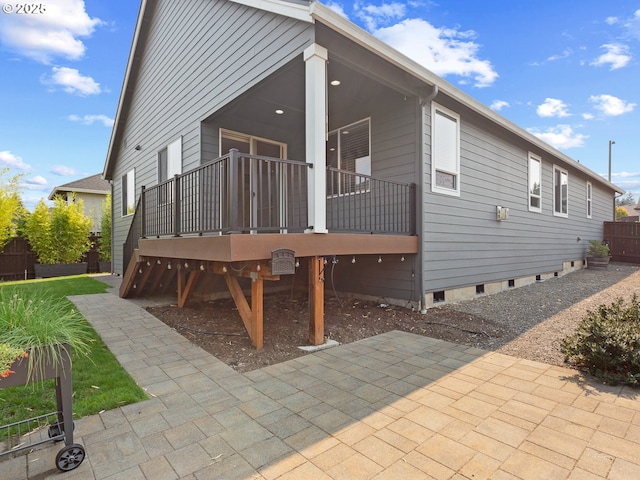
(598, 249)
(607, 343)
(104, 248)
(10, 207)
(59, 235)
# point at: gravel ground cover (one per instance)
(540, 315)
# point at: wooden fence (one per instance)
(17, 259)
(624, 241)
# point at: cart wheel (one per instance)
(70, 457)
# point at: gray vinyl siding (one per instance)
(463, 243)
(394, 155)
(195, 58)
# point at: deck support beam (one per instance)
(252, 316)
(186, 287)
(316, 300)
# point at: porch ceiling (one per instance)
(285, 90)
(240, 247)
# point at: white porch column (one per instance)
(315, 58)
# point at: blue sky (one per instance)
(566, 71)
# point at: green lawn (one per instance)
(99, 381)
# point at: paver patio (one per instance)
(393, 406)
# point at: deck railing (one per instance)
(241, 193)
(234, 193)
(364, 204)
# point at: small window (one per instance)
(170, 160)
(589, 198)
(128, 184)
(560, 192)
(535, 183)
(349, 150)
(445, 151)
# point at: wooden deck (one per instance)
(158, 262)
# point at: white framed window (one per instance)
(535, 183)
(349, 149)
(128, 187)
(170, 160)
(589, 199)
(560, 192)
(445, 150)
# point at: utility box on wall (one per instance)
(502, 213)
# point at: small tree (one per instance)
(10, 207)
(626, 199)
(59, 235)
(104, 249)
(621, 212)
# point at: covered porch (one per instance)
(315, 169)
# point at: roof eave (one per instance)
(338, 23)
(124, 94)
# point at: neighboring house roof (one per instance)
(93, 184)
(316, 11)
(632, 210)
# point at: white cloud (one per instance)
(566, 53)
(498, 105)
(625, 175)
(611, 106)
(553, 107)
(91, 119)
(612, 20)
(72, 81)
(588, 116)
(63, 171)
(13, 161)
(560, 137)
(633, 25)
(54, 33)
(444, 51)
(617, 56)
(375, 15)
(38, 180)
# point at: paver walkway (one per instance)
(393, 406)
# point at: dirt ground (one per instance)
(216, 326)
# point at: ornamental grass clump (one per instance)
(607, 343)
(30, 324)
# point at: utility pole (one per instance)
(611, 142)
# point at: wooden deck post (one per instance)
(316, 300)
(252, 317)
(257, 312)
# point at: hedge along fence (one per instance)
(17, 259)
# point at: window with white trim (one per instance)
(445, 150)
(589, 199)
(128, 187)
(349, 149)
(560, 192)
(535, 183)
(170, 160)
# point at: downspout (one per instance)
(113, 230)
(424, 102)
